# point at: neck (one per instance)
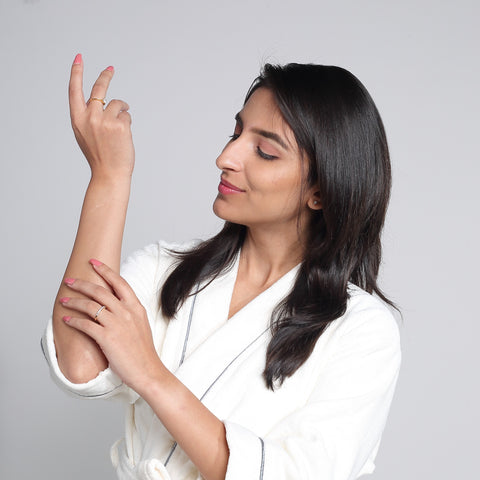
(265, 257)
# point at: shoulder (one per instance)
(368, 323)
(147, 267)
(367, 311)
(367, 329)
(157, 254)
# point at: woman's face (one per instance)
(261, 169)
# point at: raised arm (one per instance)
(104, 136)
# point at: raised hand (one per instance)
(104, 135)
(106, 140)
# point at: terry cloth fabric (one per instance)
(325, 422)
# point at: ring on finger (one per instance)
(99, 311)
(101, 100)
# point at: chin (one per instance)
(219, 211)
(223, 211)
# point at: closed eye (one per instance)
(264, 155)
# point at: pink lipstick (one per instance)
(227, 188)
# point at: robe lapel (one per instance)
(229, 344)
(210, 306)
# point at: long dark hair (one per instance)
(339, 130)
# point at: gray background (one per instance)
(184, 68)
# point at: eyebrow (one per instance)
(264, 133)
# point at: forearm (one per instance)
(99, 235)
(199, 433)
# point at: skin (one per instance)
(270, 174)
(121, 337)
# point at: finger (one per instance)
(125, 117)
(75, 87)
(97, 293)
(92, 329)
(100, 87)
(120, 286)
(116, 106)
(93, 309)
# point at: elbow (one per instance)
(79, 372)
(80, 375)
(79, 358)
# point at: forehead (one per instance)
(262, 99)
(261, 112)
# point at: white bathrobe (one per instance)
(324, 423)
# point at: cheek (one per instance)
(280, 197)
(267, 179)
(285, 185)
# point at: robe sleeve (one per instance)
(141, 271)
(336, 435)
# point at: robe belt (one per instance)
(151, 469)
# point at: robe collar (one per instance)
(223, 350)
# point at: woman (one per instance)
(260, 353)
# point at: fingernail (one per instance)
(78, 59)
(64, 299)
(95, 263)
(69, 281)
(110, 68)
(66, 318)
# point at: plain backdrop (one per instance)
(184, 67)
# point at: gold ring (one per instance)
(101, 100)
(99, 311)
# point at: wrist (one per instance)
(153, 381)
(111, 179)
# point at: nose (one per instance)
(231, 156)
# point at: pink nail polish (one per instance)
(78, 59)
(95, 263)
(69, 281)
(66, 318)
(64, 299)
(110, 69)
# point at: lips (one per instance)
(226, 187)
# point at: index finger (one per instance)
(75, 87)
(120, 286)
